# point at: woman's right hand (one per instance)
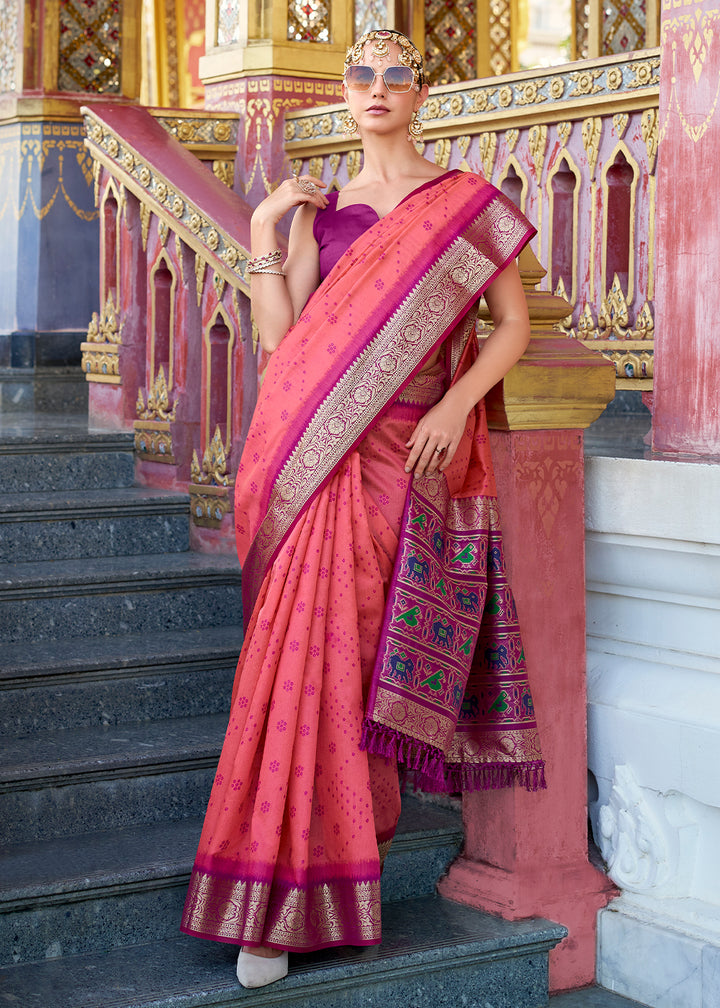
(289, 194)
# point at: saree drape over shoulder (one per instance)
(380, 625)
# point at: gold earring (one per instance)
(415, 129)
(349, 125)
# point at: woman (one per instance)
(379, 623)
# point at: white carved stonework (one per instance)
(631, 840)
(653, 662)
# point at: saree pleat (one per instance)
(299, 816)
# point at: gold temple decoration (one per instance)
(649, 126)
(591, 134)
(153, 436)
(537, 144)
(488, 147)
(620, 122)
(101, 351)
(158, 402)
(145, 218)
(199, 277)
(209, 499)
(564, 129)
(443, 149)
(613, 316)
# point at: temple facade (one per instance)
(136, 138)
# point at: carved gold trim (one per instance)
(173, 210)
(512, 162)
(111, 191)
(209, 505)
(220, 312)
(101, 363)
(488, 149)
(620, 146)
(564, 158)
(162, 259)
(209, 493)
(605, 86)
(158, 402)
(153, 441)
(591, 134)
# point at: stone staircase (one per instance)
(117, 651)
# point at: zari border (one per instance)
(301, 919)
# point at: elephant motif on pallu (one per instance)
(418, 568)
(496, 657)
(470, 708)
(401, 667)
(469, 601)
(443, 633)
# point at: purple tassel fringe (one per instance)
(434, 775)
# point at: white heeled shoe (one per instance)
(257, 971)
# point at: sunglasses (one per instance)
(397, 78)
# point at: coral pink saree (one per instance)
(379, 623)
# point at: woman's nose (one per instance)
(378, 85)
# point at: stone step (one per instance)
(63, 525)
(41, 454)
(51, 685)
(59, 784)
(117, 595)
(89, 893)
(433, 952)
(592, 997)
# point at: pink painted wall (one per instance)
(686, 415)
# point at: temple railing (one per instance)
(171, 353)
(575, 147)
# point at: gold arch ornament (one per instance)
(696, 33)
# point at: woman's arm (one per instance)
(278, 300)
(444, 424)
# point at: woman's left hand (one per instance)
(436, 437)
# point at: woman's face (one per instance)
(379, 110)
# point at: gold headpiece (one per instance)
(409, 55)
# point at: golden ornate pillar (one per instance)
(264, 57)
(54, 56)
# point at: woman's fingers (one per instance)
(307, 189)
(428, 452)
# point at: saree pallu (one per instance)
(300, 812)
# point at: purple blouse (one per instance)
(335, 230)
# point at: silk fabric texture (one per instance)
(300, 815)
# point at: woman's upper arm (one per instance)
(505, 296)
(302, 266)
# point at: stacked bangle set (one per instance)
(265, 263)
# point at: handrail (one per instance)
(172, 182)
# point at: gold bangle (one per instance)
(256, 272)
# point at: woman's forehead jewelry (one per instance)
(408, 55)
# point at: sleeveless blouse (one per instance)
(335, 230)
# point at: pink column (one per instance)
(686, 413)
(526, 854)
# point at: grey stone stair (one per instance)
(58, 784)
(37, 455)
(117, 595)
(93, 892)
(115, 679)
(434, 952)
(52, 684)
(63, 525)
